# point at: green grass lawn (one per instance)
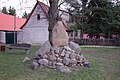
(105, 65)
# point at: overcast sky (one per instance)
(20, 5)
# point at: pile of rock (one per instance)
(59, 54)
(61, 58)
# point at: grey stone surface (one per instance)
(74, 46)
(37, 56)
(66, 61)
(64, 69)
(67, 55)
(49, 63)
(61, 49)
(44, 49)
(63, 58)
(67, 48)
(56, 50)
(73, 61)
(59, 60)
(43, 62)
(59, 64)
(45, 56)
(56, 55)
(52, 65)
(34, 65)
(72, 55)
(67, 52)
(51, 58)
(82, 59)
(26, 59)
(62, 53)
(77, 57)
(86, 64)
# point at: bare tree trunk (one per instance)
(52, 15)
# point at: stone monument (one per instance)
(59, 54)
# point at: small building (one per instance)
(35, 29)
(7, 28)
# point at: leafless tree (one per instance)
(53, 15)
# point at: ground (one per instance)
(105, 65)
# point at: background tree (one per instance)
(77, 9)
(25, 15)
(96, 16)
(52, 15)
(4, 10)
(11, 11)
(103, 16)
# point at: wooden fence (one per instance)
(99, 42)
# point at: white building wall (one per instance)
(2, 36)
(19, 37)
(35, 31)
(35, 35)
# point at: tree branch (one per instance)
(60, 3)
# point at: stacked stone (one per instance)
(61, 58)
(58, 53)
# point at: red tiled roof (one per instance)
(7, 22)
(45, 8)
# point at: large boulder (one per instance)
(59, 35)
(45, 48)
(74, 46)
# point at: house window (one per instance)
(76, 34)
(38, 16)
